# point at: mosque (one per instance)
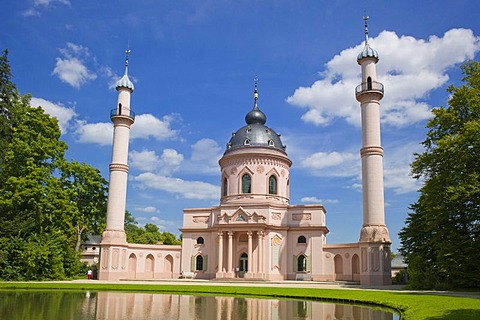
(254, 232)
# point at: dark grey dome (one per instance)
(255, 116)
(255, 134)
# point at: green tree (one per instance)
(441, 238)
(44, 199)
(88, 191)
(150, 234)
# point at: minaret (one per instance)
(122, 118)
(374, 237)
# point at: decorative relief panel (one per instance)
(301, 216)
(115, 257)
(364, 260)
(200, 219)
(276, 243)
(276, 216)
(375, 259)
(260, 169)
(233, 171)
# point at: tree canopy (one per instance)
(47, 204)
(441, 238)
(150, 234)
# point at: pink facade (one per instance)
(255, 233)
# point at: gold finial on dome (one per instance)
(255, 92)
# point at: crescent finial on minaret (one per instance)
(365, 18)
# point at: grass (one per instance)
(418, 305)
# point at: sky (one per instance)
(193, 64)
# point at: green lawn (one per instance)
(412, 305)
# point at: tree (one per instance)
(150, 234)
(46, 202)
(441, 238)
(88, 191)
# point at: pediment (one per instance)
(240, 216)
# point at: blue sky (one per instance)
(193, 64)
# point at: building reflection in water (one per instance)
(115, 305)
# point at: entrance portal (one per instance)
(243, 268)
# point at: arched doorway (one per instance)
(243, 266)
(132, 266)
(169, 265)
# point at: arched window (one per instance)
(225, 187)
(271, 143)
(246, 183)
(302, 239)
(272, 185)
(199, 263)
(200, 240)
(302, 263)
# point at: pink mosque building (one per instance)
(254, 232)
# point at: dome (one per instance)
(255, 134)
(367, 52)
(124, 82)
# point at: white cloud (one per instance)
(332, 164)
(46, 3)
(162, 225)
(145, 160)
(185, 189)
(317, 200)
(41, 3)
(147, 125)
(63, 114)
(30, 12)
(397, 168)
(148, 160)
(100, 133)
(204, 159)
(170, 161)
(409, 68)
(148, 209)
(71, 67)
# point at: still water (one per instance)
(36, 305)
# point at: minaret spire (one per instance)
(365, 18)
(127, 53)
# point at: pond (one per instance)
(35, 305)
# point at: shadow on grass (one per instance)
(464, 314)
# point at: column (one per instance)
(230, 252)
(250, 252)
(220, 252)
(259, 252)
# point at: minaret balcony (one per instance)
(369, 87)
(122, 113)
